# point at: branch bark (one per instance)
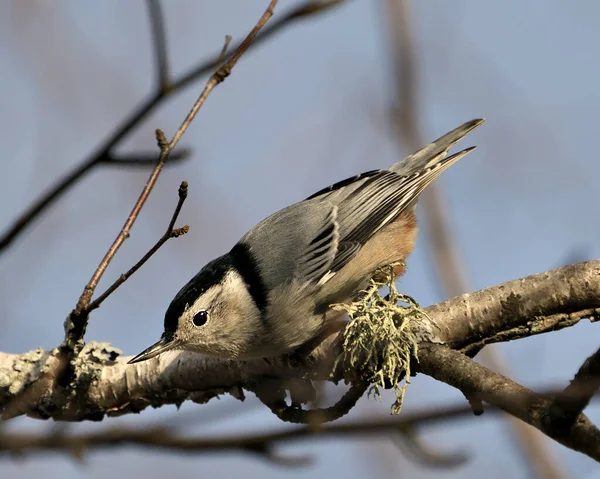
(455, 369)
(106, 385)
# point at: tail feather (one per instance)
(418, 181)
(435, 152)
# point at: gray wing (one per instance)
(322, 234)
(365, 206)
(371, 202)
(300, 241)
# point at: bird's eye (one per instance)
(200, 318)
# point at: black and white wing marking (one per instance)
(346, 182)
(376, 199)
(316, 260)
(297, 242)
(315, 238)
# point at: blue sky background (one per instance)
(305, 109)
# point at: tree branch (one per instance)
(164, 438)
(520, 308)
(261, 445)
(106, 385)
(457, 370)
(171, 232)
(144, 160)
(76, 323)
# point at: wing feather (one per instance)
(313, 239)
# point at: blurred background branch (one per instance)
(445, 257)
(164, 438)
(166, 87)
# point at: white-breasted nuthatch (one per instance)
(272, 292)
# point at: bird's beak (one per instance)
(165, 343)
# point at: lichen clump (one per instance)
(379, 340)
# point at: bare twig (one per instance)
(577, 395)
(222, 73)
(99, 157)
(169, 233)
(228, 39)
(159, 40)
(77, 321)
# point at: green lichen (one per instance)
(26, 369)
(380, 339)
(90, 362)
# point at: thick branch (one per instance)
(520, 308)
(456, 369)
(107, 386)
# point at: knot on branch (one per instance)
(161, 140)
(381, 338)
(183, 190)
(222, 73)
(177, 232)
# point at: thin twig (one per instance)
(127, 126)
(577, 395)
(77, 321)
(221, 74)
(159, 41)
(228, 39)
(169, 233)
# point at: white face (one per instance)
(222, 321)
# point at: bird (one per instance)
(273, 291)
